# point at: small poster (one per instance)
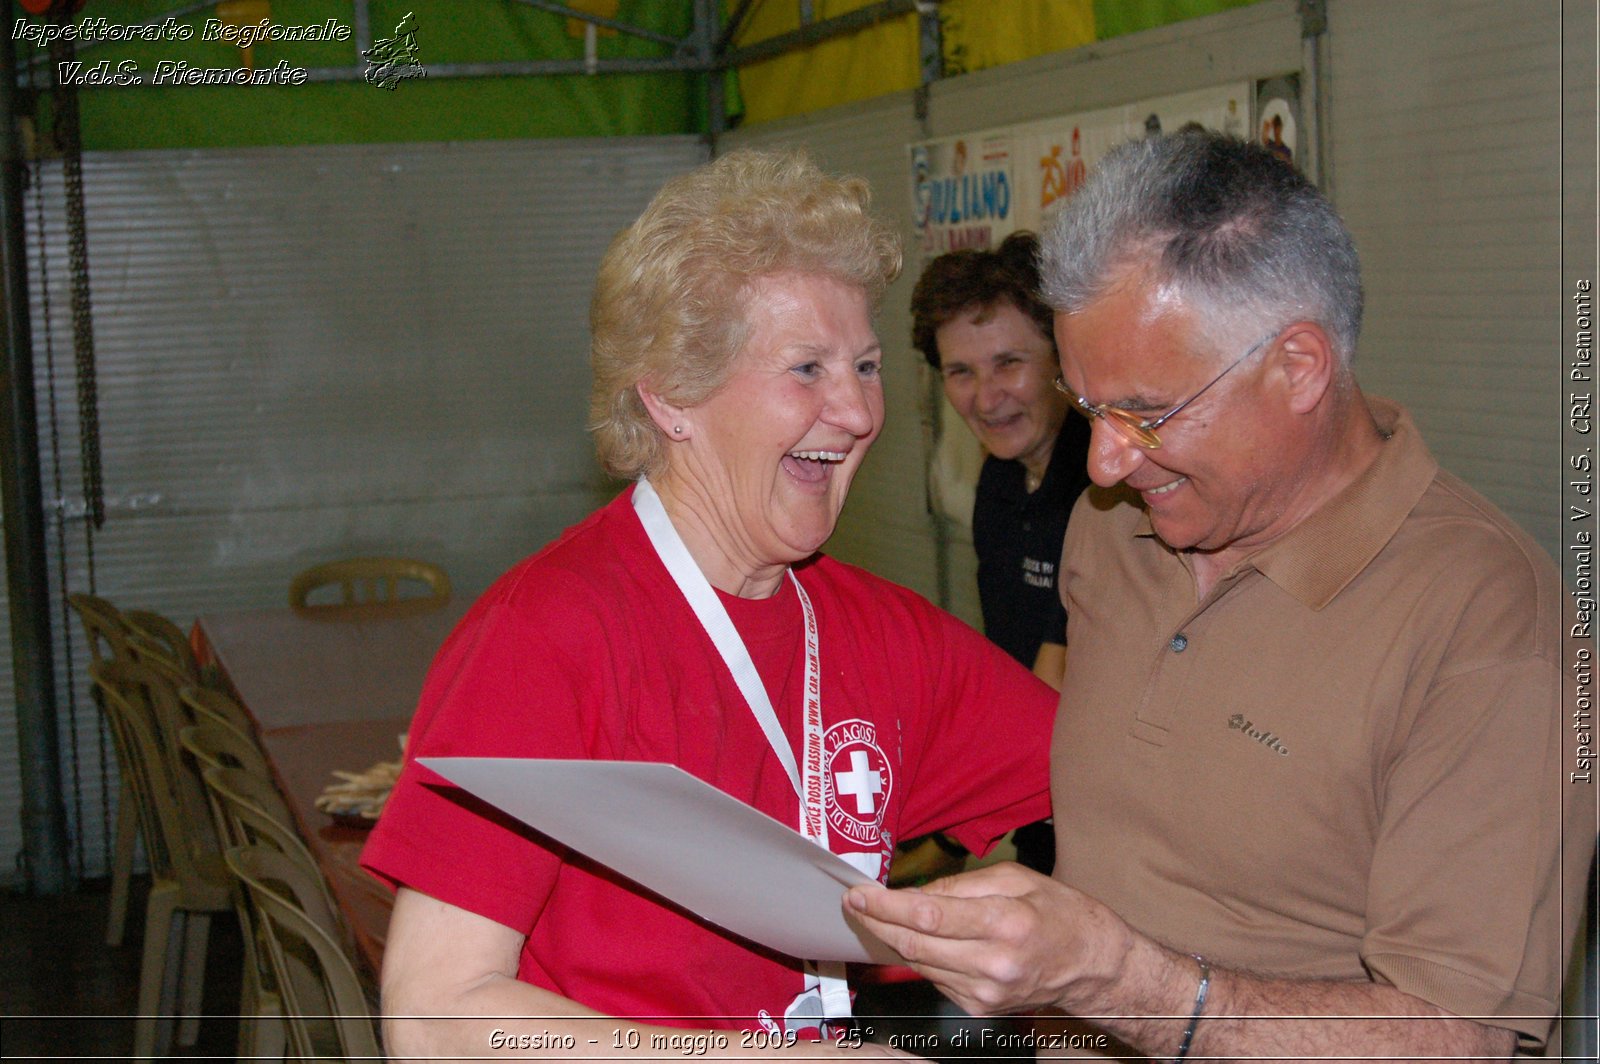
(971, 191)
(962, 192)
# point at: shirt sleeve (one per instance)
(502, 686)
(982, 766)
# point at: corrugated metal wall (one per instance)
(308, 353)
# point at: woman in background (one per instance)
(978, 320)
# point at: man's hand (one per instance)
(1004, 939)
(1001, 939)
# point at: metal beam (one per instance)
(711, 81)
(44, 817)
(731, 30)
(827, 29)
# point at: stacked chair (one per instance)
(113, 634)
(196, 785)
(294, 985)
(107, 636)
(208, 706)
(166, 640)
(326, 1006)
(189, 882)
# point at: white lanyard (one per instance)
(811, 786)
(719, 626)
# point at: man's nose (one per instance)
(1112, 456)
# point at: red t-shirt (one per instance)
(588, 650)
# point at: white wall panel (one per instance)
(1447, 125)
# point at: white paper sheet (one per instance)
(685, 840)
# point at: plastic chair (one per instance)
(369, 587)
(154, 653)
(162, 633)
(106, 633)
(256, 816)
(216, 745)
(262, 1034)
(188, 879)
(206, 705)
(331, 1017)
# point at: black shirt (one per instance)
(1018, 534)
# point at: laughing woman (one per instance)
(736, 379)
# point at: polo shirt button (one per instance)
(1179, 643)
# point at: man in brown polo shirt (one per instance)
(1308, 768)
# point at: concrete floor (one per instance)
(66, 995)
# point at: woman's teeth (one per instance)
(1163, 489)
(820, 456)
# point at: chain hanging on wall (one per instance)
(69, 142)
(66, 141)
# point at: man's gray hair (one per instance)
(1235, 231)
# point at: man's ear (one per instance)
(1307, 363)
(669, 419)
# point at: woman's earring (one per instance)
(677, 430)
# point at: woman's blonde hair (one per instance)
(669, 303)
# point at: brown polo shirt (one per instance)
(1346, 762)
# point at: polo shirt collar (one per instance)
(1319, 557)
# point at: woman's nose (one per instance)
(991, 390)
(850, 407)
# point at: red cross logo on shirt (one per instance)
(861, 781)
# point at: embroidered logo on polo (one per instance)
(861, 781)
(1248, 729)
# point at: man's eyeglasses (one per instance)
(1141, 431)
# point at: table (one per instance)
(325, 695)
(291, 669)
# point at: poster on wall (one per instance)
(1058, 153)
(961, 192)
(972, 191)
